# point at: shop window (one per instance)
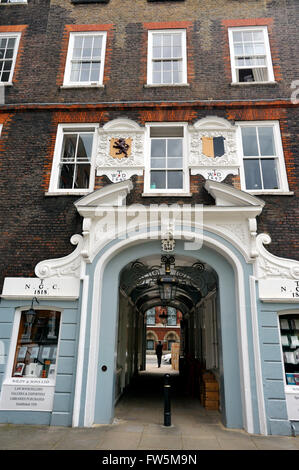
(85, 59)
(167, 64)
(36, 351)
(263, 160)
(73, 161)
(9, 43)
(250, 55)
(166, 166)
(289, 331)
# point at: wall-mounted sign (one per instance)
(51, 288)
(117, 176)
(120, 148)
(213, 146)
(279, 290)
(27, 396)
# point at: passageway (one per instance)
(143, 400)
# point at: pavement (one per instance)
(138, 425)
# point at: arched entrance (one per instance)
(236, 400)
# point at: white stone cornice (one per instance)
(111, 195)
(271, 266)
(227, 195)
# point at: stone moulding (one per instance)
(119, 169)
(233, 217)
(219, 167)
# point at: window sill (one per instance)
(154, 194)
(82, 86)
(163, 85)
(253, 83)
(67, 193)
(271, 193)
(6, 84)
(14, 3)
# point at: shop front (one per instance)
(61, 362)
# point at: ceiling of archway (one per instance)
(194, 281)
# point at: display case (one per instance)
(36, 348)
(289, 330)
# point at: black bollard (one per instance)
(167, 412)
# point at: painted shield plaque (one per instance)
(120, 148)
(213, 146)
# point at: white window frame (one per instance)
(186, 178)
(13, 2)
(67, 73)
(280, 314)
(281, 169)
(17, 36)
(8, 378)
(150, 56)
(55, 173)
(269, 65)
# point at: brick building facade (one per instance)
(229, 74)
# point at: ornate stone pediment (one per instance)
(120, 152)
(213, 149)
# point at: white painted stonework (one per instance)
(120, 169)
(215, 169)
(218, 168)
(65, 288)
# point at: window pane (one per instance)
(158, 148)
(157, 52)
(69, 148)
(95, 71)
(247, 36)
(249, 140)
(85, 70)
(258, 35)
(66, 176)
(150, 344)
(174, 147)
(158, 180)
(237, 36)
(84, 147)
(97, 47)
(157, 40)
(87, 46)
(5, 76)
(266, 138)
(259, 49)
(174, 179)
(75, 71)
(82, 177)
(269, 170)
(157, 77)
(248, 49)
(174, 163)
(252, 174)
(158, 162)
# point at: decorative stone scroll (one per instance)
(213, 149)
(120, 153)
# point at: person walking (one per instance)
(159, 348)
